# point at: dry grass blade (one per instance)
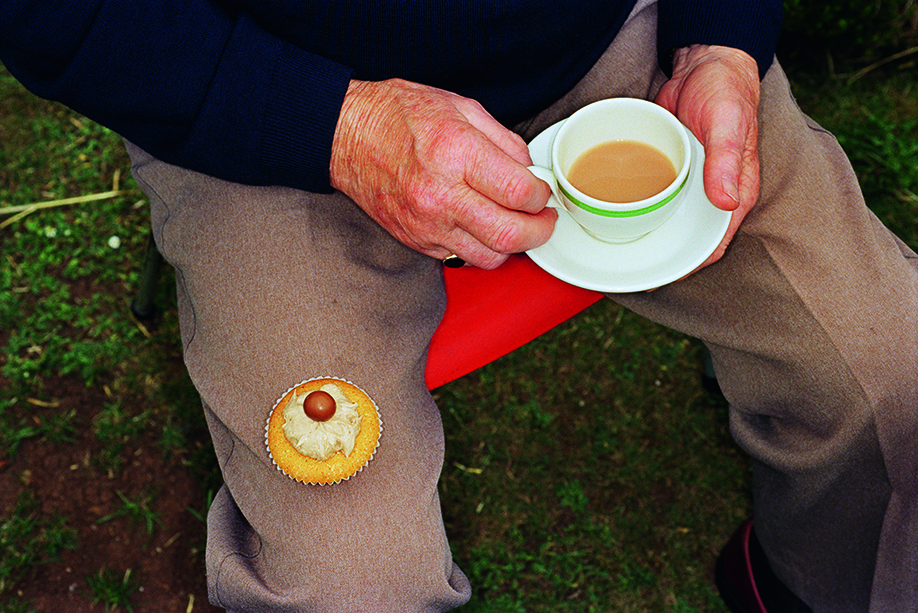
(852, 77)
(22, 210)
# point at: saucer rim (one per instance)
(556, 267)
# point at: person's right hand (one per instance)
(438, 173)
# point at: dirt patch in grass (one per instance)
(145, 516)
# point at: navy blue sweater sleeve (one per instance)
(199, 87)
(236, 94)
(750, 25)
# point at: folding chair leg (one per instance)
(708, 376)
(144, 305)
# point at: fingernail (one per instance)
(728, 184)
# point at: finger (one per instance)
(668, 96)
(471, 251)
(497, 163)
(507, 141)
(506, 231)
(502, 180)
(480, 231)
(723, 165)
(731, 159)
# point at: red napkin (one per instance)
(489, 313)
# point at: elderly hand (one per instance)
(714, 91)
(438, 172)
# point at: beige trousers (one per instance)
(812, 318)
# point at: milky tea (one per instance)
(622, 171)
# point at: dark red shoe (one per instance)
(746, 581)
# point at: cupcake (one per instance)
(323, 431)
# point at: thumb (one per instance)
(731, 160)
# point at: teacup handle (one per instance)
(549, 177)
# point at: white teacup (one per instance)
(611, 120)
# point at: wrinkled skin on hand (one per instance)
(715, 91)
(439, 173)
(442, 176)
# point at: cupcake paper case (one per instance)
(338, 467)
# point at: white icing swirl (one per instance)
(320, 440)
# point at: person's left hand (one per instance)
(714, 91)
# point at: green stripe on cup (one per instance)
(634, 213)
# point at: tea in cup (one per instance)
(619, 167)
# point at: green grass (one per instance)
(587, 471)
(876, 121)
(605, 478)
(112, 589)
(15, 605)
(27, 538)
(602, 480)
(138, 511)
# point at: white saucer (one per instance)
(668, 253)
